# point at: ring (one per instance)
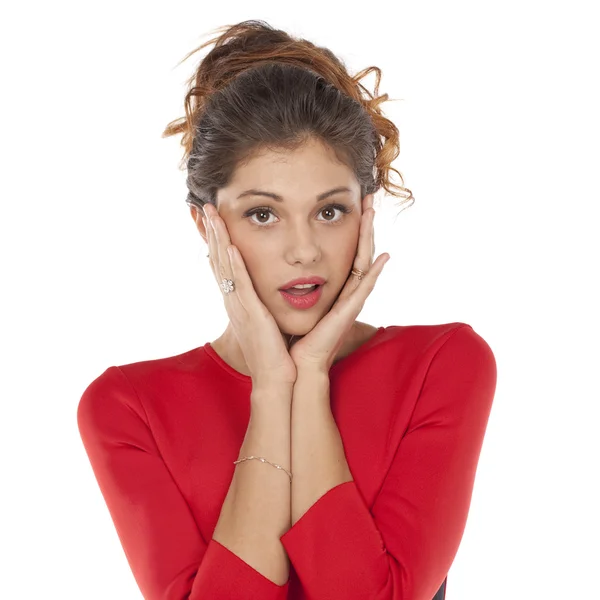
(227, 286)
(360, 274)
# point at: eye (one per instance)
(330, 208)
(263, 211)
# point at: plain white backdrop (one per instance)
(497, 106)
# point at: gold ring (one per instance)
(360, 274)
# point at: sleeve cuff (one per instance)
(237, 578)
(335, 544)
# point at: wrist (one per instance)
(271, 392)
(311, 385)
(311, 373)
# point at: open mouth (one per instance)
(301, 291)
(304, 298)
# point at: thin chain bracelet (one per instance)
(241, 460)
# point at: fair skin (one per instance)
(301, 237)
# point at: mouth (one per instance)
(302, 298)
(301, 292)
(303, 281)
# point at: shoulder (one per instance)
(129, 383)
(418, 346)
(432, 337)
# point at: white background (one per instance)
(497, 106)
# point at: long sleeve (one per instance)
(402, 548)
(164, 548)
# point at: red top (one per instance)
(412, 406)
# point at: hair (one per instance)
(261, 89)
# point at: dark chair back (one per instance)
(441, 593)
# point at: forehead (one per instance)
(295, 175)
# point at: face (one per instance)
(299, 236)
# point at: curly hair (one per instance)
(260, 88)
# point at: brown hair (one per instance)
(259, 88)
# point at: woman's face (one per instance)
(298, 236)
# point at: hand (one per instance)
(317, 350)
(263, 345)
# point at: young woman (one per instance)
(302, 454)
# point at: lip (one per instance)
(303, 281)
(303, 302)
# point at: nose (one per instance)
(302, 245)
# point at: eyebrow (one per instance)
(278, 198)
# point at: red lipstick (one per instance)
(302, 299)
(303, 280)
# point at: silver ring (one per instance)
(227, 286)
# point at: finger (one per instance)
(372, 249)
(221, 262)
(369, 280)
(221, 237)
(208, 244)
(246, 294)
(364, 253)
(213, 250)
(373, 238)
(365, 286)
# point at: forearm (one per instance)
(318, 459)
(257, 509)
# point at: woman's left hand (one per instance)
(316, 351)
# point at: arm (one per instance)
(256, 510)
(401, 547)
(169, 558)
(318, 458)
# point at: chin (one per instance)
(299, 323)
(298, 326)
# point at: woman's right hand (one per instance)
(263, 345)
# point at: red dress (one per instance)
(412, 406)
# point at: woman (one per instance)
(302, 454)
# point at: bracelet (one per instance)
(241, 460)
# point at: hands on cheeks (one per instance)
(316, 351)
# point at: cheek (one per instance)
(251, 254)
(343, 245)
(242, 241)
(257, 258)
